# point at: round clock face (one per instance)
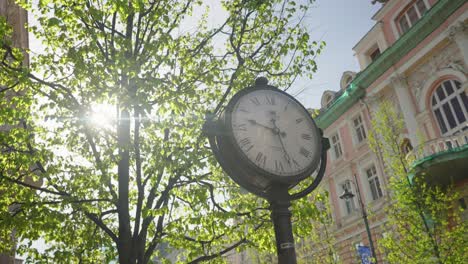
(275, 133)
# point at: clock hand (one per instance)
(280, 134)
(286, 155)
(253, 122)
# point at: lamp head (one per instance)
(346, 195)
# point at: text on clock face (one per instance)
(274, 132)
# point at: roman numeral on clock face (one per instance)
(306, 136)
(279, 166)
(270, 100)
(244, 142)
(299, 120)
(295, 163)
(260, 159)
(255, 101)
(304, 152)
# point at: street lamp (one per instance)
(347, 195)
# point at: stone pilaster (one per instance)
(403, 93)
(458, 34)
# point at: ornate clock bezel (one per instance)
(250, 164)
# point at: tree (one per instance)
(424, 224)
(143, 178)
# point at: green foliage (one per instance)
(424, 224)
(95, 195)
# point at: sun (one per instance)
(102, 115)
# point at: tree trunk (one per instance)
(124, 246)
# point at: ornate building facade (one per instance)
(415, 56)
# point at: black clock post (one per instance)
(270, 180)
(281, 217)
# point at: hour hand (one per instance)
(253, 122)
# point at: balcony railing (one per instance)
(438, 146)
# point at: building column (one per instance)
(403, 93)
(427, 126)
(459, 35)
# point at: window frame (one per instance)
(333, 144)
(329, 101)
(356, 140)
(373, 181)
(404, 15)
(439, 112)
(374, 51)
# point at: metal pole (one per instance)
(366, 223)
(281, 217)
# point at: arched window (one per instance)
(328, 101)
(348, 80)
(450, 107)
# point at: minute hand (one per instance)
(286, 155)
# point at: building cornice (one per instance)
(383, 10)
(377, 28)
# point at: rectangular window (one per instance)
(375, 54)
(404, 26)
(359, 129)
(374, 183)
(336, 146)
(411, 15)
(349, 205)
(421, 7)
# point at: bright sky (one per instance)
(341, 24)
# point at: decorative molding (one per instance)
(399, 81)
(458, 28)
(458, 66)
(447, 59)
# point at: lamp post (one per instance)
(347, 195)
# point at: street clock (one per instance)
(266, 137)
(267, 142)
